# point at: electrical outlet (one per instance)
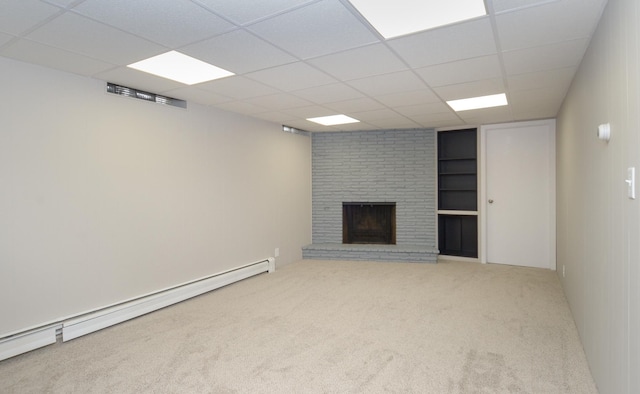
(276, 252)
(563, 270)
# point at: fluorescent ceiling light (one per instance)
(494, 100)
(333, 120)
(399, 17)
(179, 67)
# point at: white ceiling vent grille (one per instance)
(142, 95)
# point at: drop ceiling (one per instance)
(298, 59)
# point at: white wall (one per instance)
(598, 226)
(104, 198)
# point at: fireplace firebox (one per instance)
(369, 223)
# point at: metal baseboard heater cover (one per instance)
(28, 341)
(87, 323)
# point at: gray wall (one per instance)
(104, 198)
(375, 166)
(598, 226)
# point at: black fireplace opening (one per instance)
(369, 223)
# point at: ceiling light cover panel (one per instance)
(400, 17)
(494, 100)
(333, 120)
(181, 68)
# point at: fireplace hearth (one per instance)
(369, 223)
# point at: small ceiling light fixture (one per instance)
(181, 68)
(401, 17)
(333, 120)
(494, 100)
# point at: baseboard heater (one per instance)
(28, 341)
(86, 323)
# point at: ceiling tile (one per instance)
(315, 30)
(423, 96)
(223, 51)
(536, 103)
(275, 116)
(552, 79)
(243, 12)
(356, 63)
(355, 105)
(238, 88)
(294, 76)
(34, 52)
(17, 17)
(445, 124)
(425, 109)
(371, 116)
(171, 24)
(485, 67)
(471, 89)
(521, 29)
(311, 111)
(328, 93)
(395, 123)
(404, 81)
(489, 118)
(139, 80)
(241, 107)
(5, 38)
(548, 57)
(277, 102)
(509, 5)
(62, 3)
(535, 114)
(441, 119)
(455, 42)
(360, 126)
(294, 57)
(81, 35)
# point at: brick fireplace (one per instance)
(393, 167)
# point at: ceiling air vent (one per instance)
(142, 95)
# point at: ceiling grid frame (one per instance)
(37, 37)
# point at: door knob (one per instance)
(490, 201)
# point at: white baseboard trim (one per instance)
(89, 323)
(85, 323)
(27, 341)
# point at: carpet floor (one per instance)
(334, 327)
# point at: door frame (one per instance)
(482, 206)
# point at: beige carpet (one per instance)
(334, 327)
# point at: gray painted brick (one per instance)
(375, 166)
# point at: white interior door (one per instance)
(519, 194)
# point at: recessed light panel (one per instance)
(333, 120)
(399, 17)
(494, 100)
(181, 68)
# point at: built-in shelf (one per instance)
(456, 158)
(458, 192)
(458, 235)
